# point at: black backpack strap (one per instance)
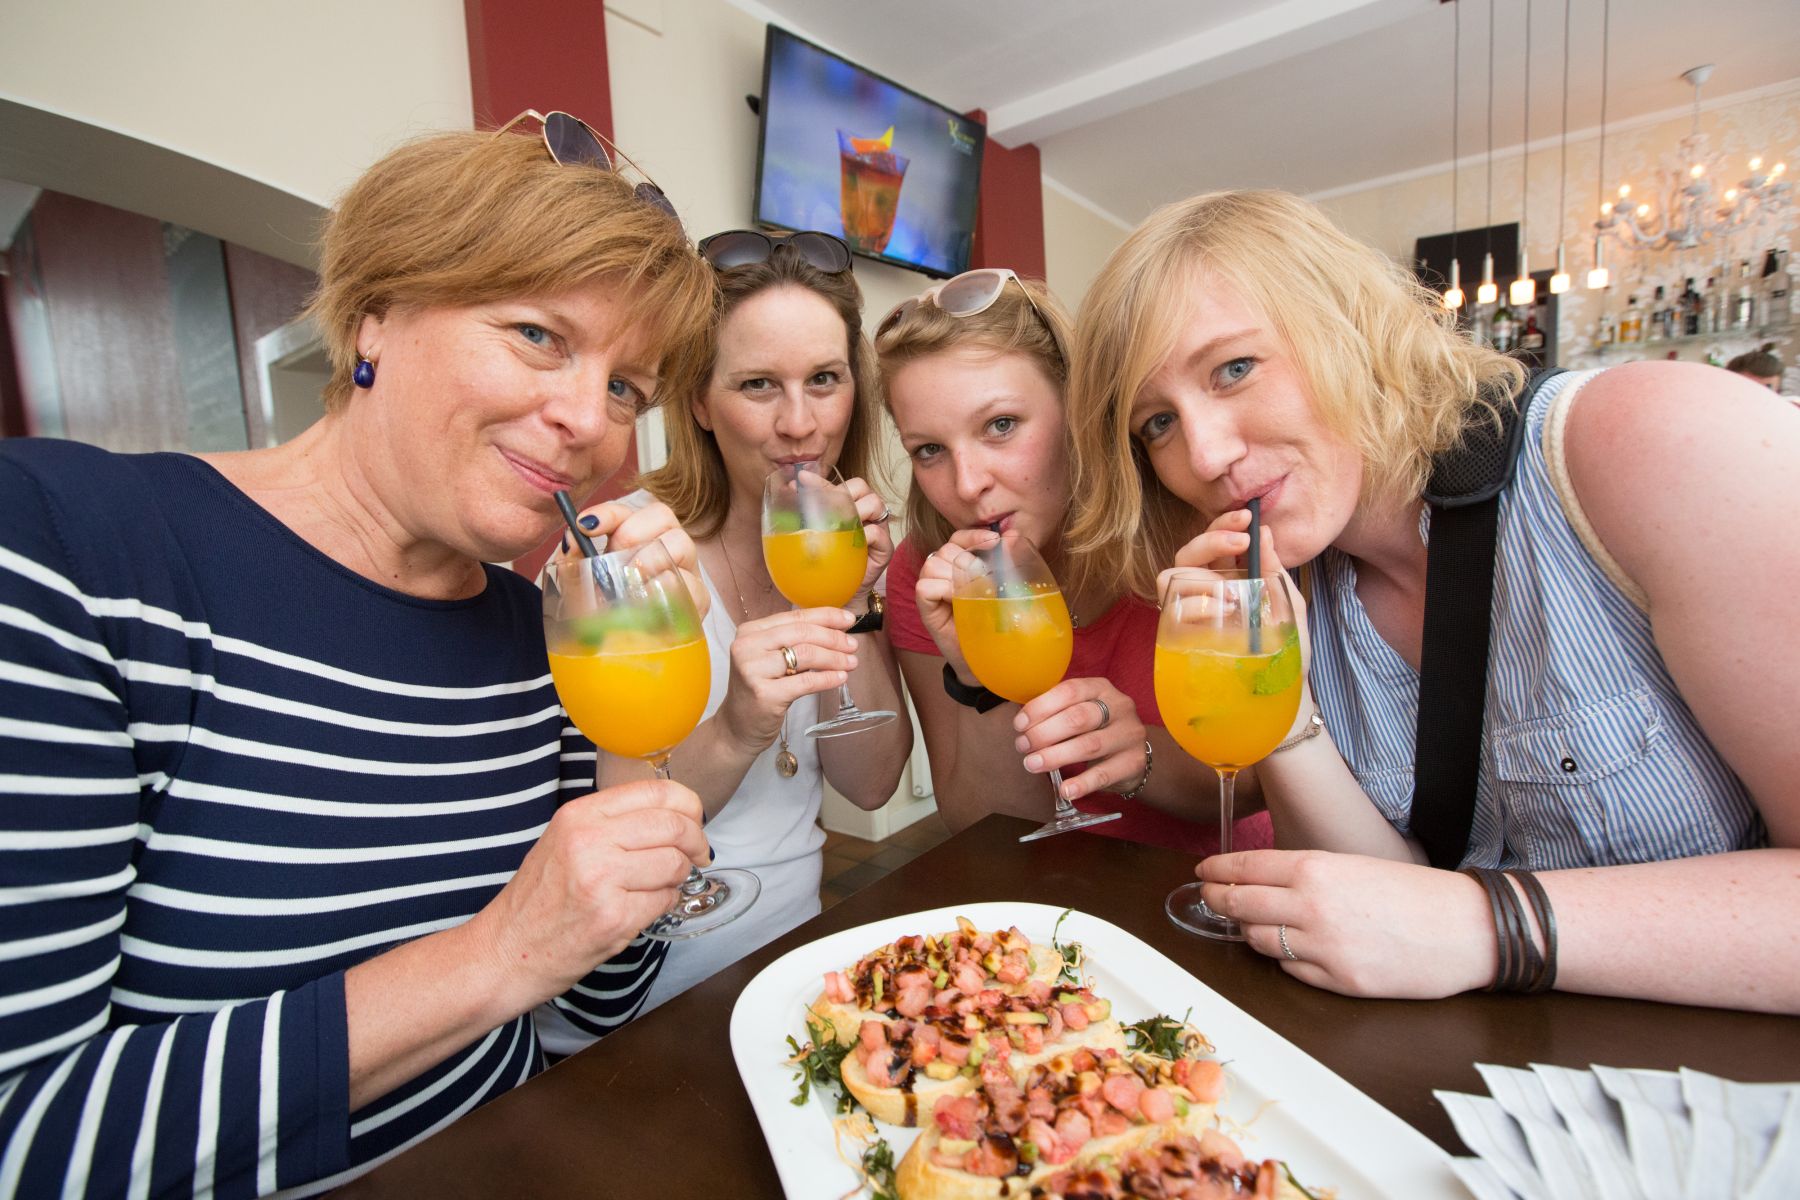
(1464, 494)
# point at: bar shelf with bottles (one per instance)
(1751, 307)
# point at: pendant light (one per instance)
(1559, 282)
(1487, 293)
(1453, 295)
(1599, 277)
(1524, 289)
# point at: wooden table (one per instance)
(657, 1109)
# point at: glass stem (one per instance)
(1063, 806)
(695, 883)
(1227, 793)
(846, 706)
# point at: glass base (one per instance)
(1188, 910)
(728, 894)
(1072, 820)
(852, 720)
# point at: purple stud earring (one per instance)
(364, 375)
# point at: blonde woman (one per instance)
(974, 374)
(1635, 748)
(787, 375)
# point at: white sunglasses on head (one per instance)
(967, 294)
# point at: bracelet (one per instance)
(977, 698)
(1315, 725)
(1149, 761)
(1519, 966)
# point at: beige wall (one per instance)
(1077, 241)
(1392, 216)
(301, 97)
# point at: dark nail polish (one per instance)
(565, 543)
(590, 521)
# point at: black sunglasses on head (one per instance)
(739, 247)
(571, 141)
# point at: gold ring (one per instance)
(793, 664)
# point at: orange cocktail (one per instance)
(1224, 705)
(817, 568)
(634, 696)
(1018, 644)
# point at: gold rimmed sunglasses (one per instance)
(571, 141)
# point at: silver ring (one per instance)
(1281, 933)
(793, 664)
(879, 517)
(1105, 712)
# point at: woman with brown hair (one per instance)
(296, 836)
(974, 373)
(1633, 746)
(786, 376)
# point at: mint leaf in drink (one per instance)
(783, 521)
(1283, 671)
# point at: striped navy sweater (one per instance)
(231, 769)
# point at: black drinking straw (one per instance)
(574, 523)
(1255, 573)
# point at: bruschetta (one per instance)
(1181, 1167)
(905, 977)
(898, 1069)
(1009, 1135)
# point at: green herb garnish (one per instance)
(1072, 954)
(1283, 671)
(1162, 1035)
(878, 1170)
(819, 1062)
(1302, 1188)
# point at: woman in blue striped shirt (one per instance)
(294, 835)
(1647, 588)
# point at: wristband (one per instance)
(871, 620)
(977, 698)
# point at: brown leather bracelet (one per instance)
(1546, 920)
(1502, 942)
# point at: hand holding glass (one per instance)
(632, 670)
(1228, 685)
(817, 555)
(1016, 635)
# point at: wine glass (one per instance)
(1017, 638)
(817, 555)
(1228, 685)
(632, 670)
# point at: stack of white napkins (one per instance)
(1552, 1133)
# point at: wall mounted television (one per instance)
(846, 151)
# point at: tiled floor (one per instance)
(852, 864)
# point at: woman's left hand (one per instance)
(625, 528)
(1358, 925)
(874, 513)
(1083, 721)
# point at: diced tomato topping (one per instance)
(1039, 1104)
(837, 988)
(957, 1116)
(953, 1052)
(1038, 992)
(1013, 968)
(1122, 1091)
(1073, 1127)
(1049, 1146)
(967, 977)
(872, 1035)
(1111, 1122)
(913, 1001)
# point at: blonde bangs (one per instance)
(466, 218)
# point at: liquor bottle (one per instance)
(1506, 327)
(1690, 310)
(1531, 338)
(1605, 334)
(1631, 323)
(1659, 320)
(1776, 290)
(1743, 306)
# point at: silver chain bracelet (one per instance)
(1149, 761)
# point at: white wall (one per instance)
(301, 97)
(1077, 240)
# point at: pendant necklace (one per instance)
(786, 765)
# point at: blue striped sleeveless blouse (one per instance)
(1589, 756)
(230, 770)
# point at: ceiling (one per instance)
(1134, 103)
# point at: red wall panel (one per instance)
(1009, 218)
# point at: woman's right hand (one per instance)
(762, 688)
(937, 582)
(606, 866)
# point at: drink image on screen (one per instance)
(632, 670)
(869, 194)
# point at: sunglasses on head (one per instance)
(571, 141)
(739, 247)
(967, 294)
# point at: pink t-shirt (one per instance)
(1119, 647)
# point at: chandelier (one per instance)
(1693, 213)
